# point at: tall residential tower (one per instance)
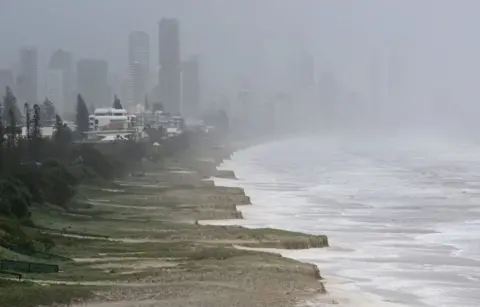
(60, 78)
(191, 88)
(6, 79)
(138, 68)
(139, 49)
(27, 76)
(92, 82)
(170, 66)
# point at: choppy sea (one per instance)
(402, 214)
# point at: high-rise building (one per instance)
(61, 67)
(55, 88)
(27, 76)
(92, 82)
(115, 82)
(138, 71)
(6, 79)
(170, 66)
(135, 91)
(191, 88)
(139, 49)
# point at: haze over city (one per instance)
(152, 150)
(392, 59)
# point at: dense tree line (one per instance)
(35, 170)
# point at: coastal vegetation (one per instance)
(36, 171)
(123, 220)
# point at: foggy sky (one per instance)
(249, 40)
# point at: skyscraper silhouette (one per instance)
(170, 66)
(27, 77)
(138, 68)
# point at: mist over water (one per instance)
(402, 213)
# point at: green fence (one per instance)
(19, 276)
(32, 253)
(27, 267)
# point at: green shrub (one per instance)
(59, 184)
(15, 199)
(95, 160)
(31, 176)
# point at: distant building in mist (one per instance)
(138, 71)
(55, 88)
(115, 82)
(92, 82)
(191, 88)
(61, 73)
(135, 89)
(306, 70)
(139, 49)
(170, 66)
(301, 63)
(27, 76)
(125, 91)
(6, 79)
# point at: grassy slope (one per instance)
(28, 294)
(150, 242)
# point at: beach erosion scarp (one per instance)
(142, 243)
(338, 291)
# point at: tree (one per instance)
(10, 103)
(28, 120)
(31, 177)
(117, 104)
(95, 160)
(82, 115)
(133, 151)
(58, 184)
(2, 140)
(62, 138)
(155, 134)
(15, 200)
(36, 127)
(11, 129)
(49, 109)
(35, 144)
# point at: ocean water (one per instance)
(402, 214)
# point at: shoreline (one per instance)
(339, 291)
(140, 243)
(159, 245)
(156, 240)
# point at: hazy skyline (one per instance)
(251, 40)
